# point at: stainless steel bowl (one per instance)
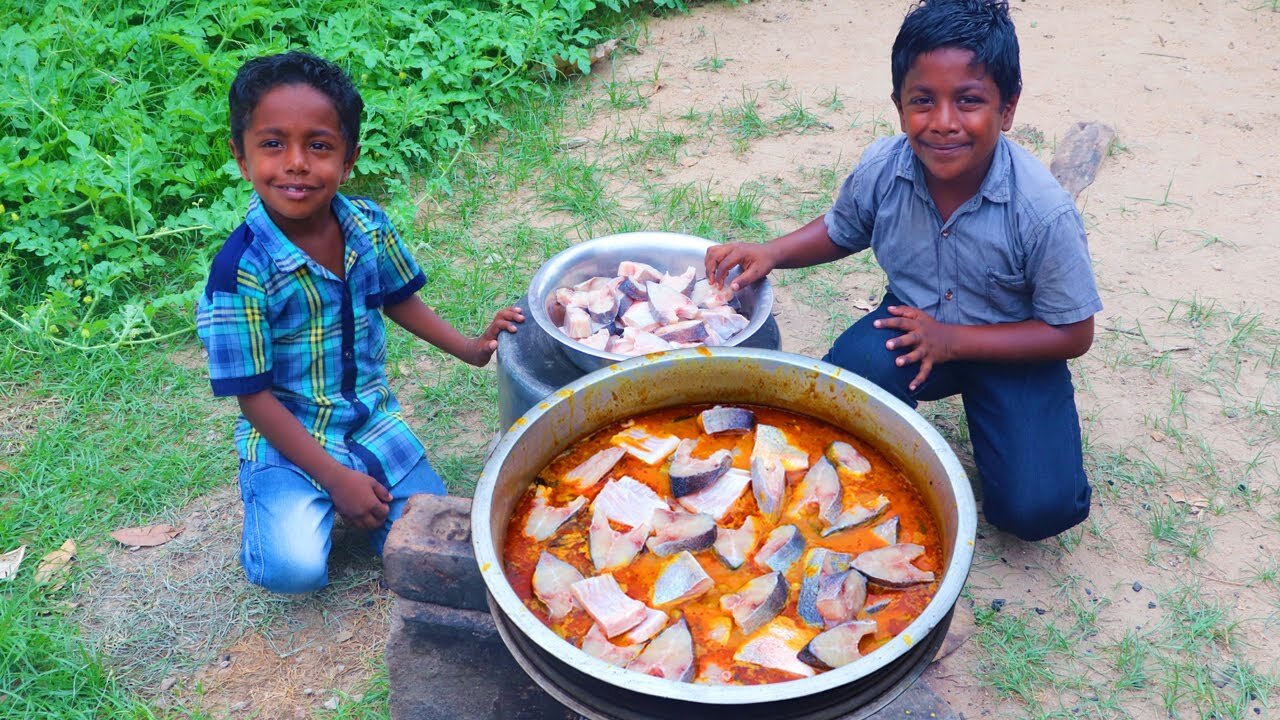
(722, 375)
(669, 252)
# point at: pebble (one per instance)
(1041, 611)
(167, 683)
(1137, 586)
(240, 705)
(997, 604)
(308, 691)
(331, 704)
(1151, 606)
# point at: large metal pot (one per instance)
(600, 256)
(721, 375)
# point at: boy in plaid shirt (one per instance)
(292, 320)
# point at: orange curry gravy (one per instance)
(916, 524)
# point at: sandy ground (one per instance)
(1180, 396)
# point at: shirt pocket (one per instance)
(1009, 296)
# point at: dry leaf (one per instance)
(1158, 436)
(1194, 502)
(147, 535)
(595, 55)
(10, 561)
(864, 305)
(52, 570)
(342, 637)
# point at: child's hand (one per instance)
(358, 498)
(480, 349)
(756, 261)
(931, 339)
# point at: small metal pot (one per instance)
(669, 252)
(719, 375)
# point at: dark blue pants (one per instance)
(1022, 421)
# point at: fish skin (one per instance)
(818, 563)
(820, 488)
(782, 548)
(688, 331)
(837, 646)
(545, 519)
(845, 457)
(612, 609)
(857, 516)
(757, 602)
(841, 596)
(891, 566)
(768, 486)
(677, 531)
(719, 497)
(668, 656)
(552, 580)
(681, 579)
(610, 548)
(689, 474)
(634, 290)
(629, 501)
(721, 419)
(733, 546)
(590, 471)
(598, 646)
(776, 646)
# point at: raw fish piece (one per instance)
(776, 647)
(570, 298)
(857, 516)
(717, 499)
(643, 343)
(887, 531)
(634, 290)
(845, 457)
(757, 602)
(680, 283)
(610, 548)
(669, 656)
(820, 488)
(628, 502)
(613, 610)
(841, 596)
(552, 580)
(891, 566)
(819, 563)
(726, 420)
(690, 475)
(681, 579)
(769, 486)
(723, 325)
(638, 271)
(650, 626)
(593, 468)
(640, 316)
(782, 548)
(597, 645)
(772, 443)
(545, 518)
(598, 340)
(577, 323)
(838, 646)
(670, 306)
(733, 546)
(602, 303)
(621, 344)
(706, 295)
(593, 284)
(689, 331)
(677, 531)
(652, 449)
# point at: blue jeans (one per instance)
(1022, 421)
(287, 521)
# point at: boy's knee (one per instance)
(864, 354)
(1037, 517)
(292, 574)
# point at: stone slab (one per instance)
(1076, 161)
(428, 556)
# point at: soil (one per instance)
(1181, 383)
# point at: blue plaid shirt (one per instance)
(273, 318)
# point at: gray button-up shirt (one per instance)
(1014, 251)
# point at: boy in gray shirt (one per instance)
(991, 289)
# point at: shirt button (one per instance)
(348, 354)
(946, 233)
(948, 295)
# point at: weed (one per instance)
(1163, 201)
(797, 117)
(744, 119)
(713, 62)
(832, 102)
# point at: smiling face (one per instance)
(295, 156)
(952, 113)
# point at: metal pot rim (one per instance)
(491, 565)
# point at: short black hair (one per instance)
(981, 26)
(262, 74)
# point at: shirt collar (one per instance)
(995, 186)
(287, 256)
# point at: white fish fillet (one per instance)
(629, 502)
(776, 646)
(589, 472)
(612, 609)
(719, 497)
(545, 518)
(652, 449)
(610, 548)
(597, 645)
(552, 580)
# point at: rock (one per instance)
(1041, 611)
(1137, 586)
(997, 604)
(1075, 164)
(1151, 606)
(167, 683)
(239, 705)
(331, 704)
